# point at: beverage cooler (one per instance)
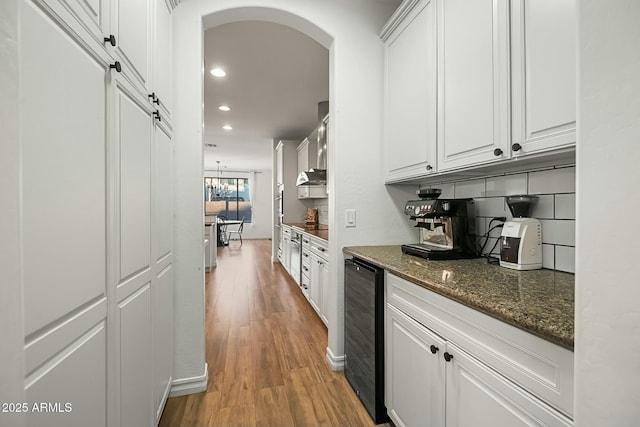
(364, 335)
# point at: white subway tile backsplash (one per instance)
(506, 185)
(543, 209)
(558, 232)
(448, 190)
(555, 209)
(490, 206)
(548, 257)
(553, 181)
(566, 259)
(481, 226)
(473, 188)
(565, 206)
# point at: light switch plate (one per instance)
(350, 217)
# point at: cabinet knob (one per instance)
(116, 66)
(156, 115)
(497, 152)
(154, 98)
(429, 167)
(448, 356)
(516, 147)
(434, 349)
(111, 40)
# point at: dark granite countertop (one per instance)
(537, 301)
(321, 231)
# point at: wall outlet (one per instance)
(350, 218)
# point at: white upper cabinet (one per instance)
(93, 16)
(477, 82)
(473, 82)
(63, 161)
(162, 57)
(543, 67)
(279, 163)
(410, 92)
(132, 31)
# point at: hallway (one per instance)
(265, 353)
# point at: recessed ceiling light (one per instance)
(227, 127)
(218, 72)
(224, 108)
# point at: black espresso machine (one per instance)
(447, 227)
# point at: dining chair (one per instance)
(237, 231)
(223, 237)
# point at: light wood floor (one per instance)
(265, 351)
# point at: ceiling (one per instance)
(275, 78)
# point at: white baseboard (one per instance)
(335, 362)
(163, 402)
(182, 386)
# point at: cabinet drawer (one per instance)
(306, 265)
(537, 365)
(320, 248)
(304, 284)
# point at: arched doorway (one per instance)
(350, 32)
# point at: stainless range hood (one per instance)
(317, 175)
(312, 177)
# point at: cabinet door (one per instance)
(279, 164)
(162, 56)
(133, 131)
(286, 253)
(415, 377)
(544, 74)
(315, 283)
(93, 16)
(303, 156)
(476, 396)
(410, 92)
(132, 30)
(162, 281)
(324, 292)
(63, 172)
(473, 82)
(134, 316)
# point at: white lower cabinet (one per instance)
(415, 380)
(314, 283)
(443, 366)
(324, 292)
(134, 317)
(319, 278)
(286, 248)
(477, 396)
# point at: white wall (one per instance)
(350, 30)
(261, 225)
(11, 350)
(607, 343)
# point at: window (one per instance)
(228, 197)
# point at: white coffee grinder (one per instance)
(521, 236)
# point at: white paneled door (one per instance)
(162, 255)
(473, 82)
(64, 217)
(410, 94)
(133, 32)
